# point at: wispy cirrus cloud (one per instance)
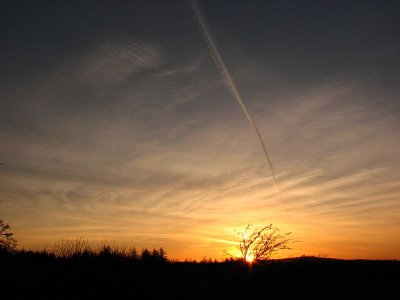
(113, 62)
(183, 69)
(193, 180)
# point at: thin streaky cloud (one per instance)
(113, 62)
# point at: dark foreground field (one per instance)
(31, 275)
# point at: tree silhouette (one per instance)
(145, 255)
(257, 244)
(7, 242)
(155, 256)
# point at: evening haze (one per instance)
(116, 124)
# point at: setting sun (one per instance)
(249, 259)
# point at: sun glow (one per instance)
(249, 259)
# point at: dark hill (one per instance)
(44, 276)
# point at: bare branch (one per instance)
(261, 243)
(7, 242)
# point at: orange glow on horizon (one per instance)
(249, 258)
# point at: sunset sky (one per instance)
(116, 125)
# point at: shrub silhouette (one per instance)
(257, 244)
(133, 254)
(155, 256)
(7, 242)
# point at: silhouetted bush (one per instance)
(155, 256)
(257, 244)
(7, 242)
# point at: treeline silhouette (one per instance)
(84, 250)
(77, 270)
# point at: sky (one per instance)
(116, 125)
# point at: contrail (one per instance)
(216, 56)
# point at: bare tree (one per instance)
(257, 244)
(7, 242)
